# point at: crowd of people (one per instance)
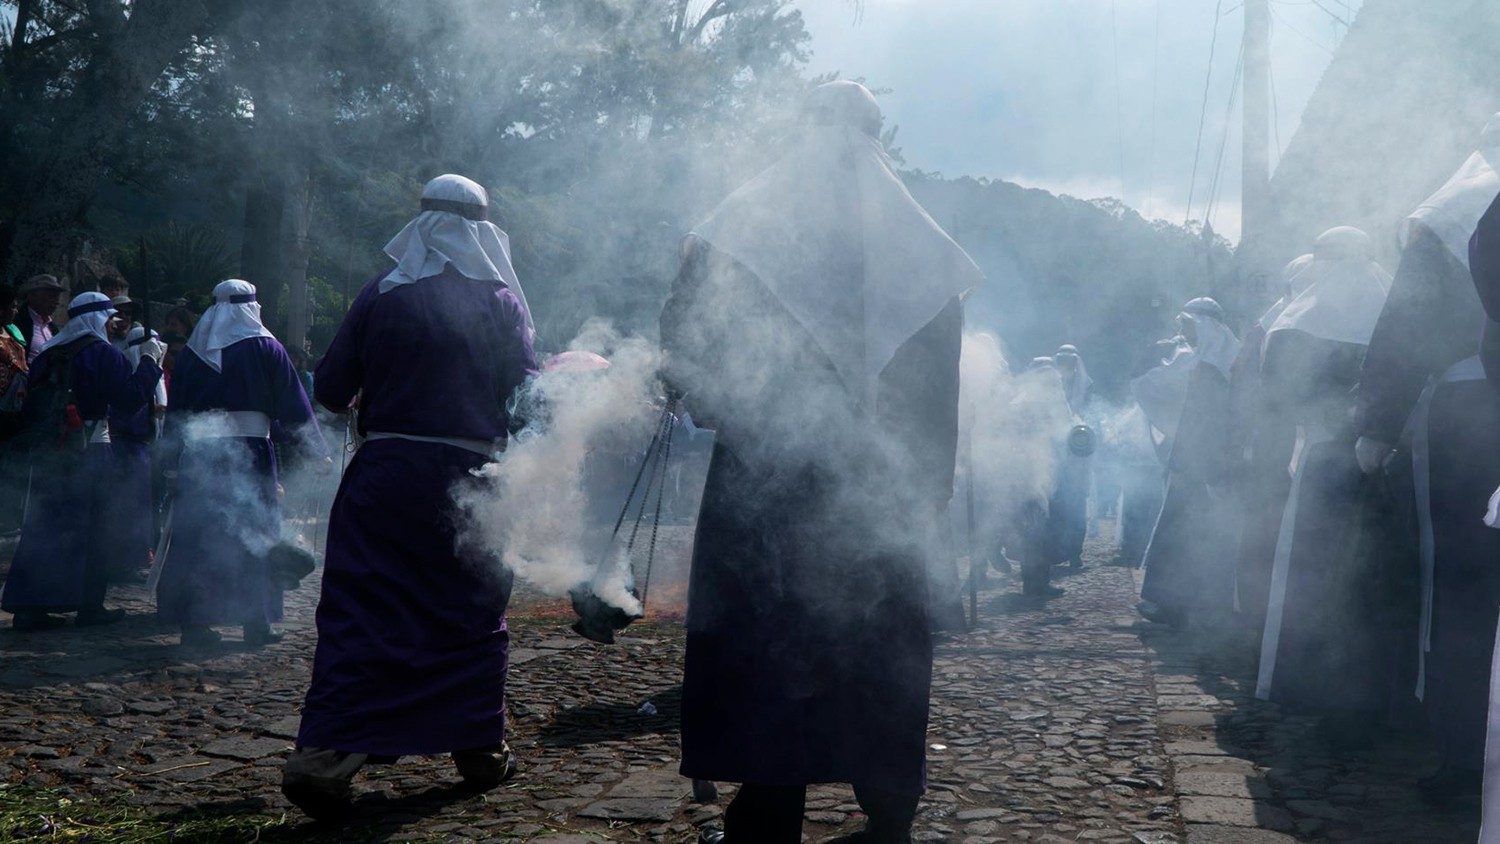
(1328, 474)
(1324, 477)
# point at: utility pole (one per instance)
(1255, 202)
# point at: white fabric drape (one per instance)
(1343, 291)
(1454, 211)
(839, 241)
(477, 248)
(88, 313)
(234, 316)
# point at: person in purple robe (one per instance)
(412, 640)
(231, 386)
(1455, 464)
(1327, 646)
(78, 381)
(1068, 512)
(1187, 400)
(816, 323)
(131, 437)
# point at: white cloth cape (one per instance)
(839, 241)
(1161, 393)
(1454, 211)
(226, 323)
(1342, 301)
(477, 249)
(133, 357)
(84, 324)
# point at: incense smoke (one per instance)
(527, 512)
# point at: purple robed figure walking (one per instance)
(412, 640)
(816, 323)
(230, 385)
(62, 561)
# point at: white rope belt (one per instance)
(250, 424)
(483, 448)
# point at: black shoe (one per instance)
(711, 836)
(26, 620)
(1450, 784)
(99, 617)
(259, 637)
(200, 636)
(1044, 592)
(486, 769)
(320, 798)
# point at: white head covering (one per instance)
(1343, 291)
(137, 338)
(1078, 390)
(234, 316)
(87, 314)
(1216, 345)
(1291, 283)
(840, 242)
(1454, 211)
(1162, 391)
(453, 229)
(133, 343)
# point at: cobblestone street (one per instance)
(1065, 722)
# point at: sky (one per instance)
(1092, 98)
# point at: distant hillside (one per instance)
(1064, 270)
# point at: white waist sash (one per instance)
(101, 432)
(250, 424)
(483, 448)
(1469, 369)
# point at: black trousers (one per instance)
(771, 814)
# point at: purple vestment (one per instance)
(65, 544)
(1186, 564)
(412, 640)
(809, 650)
(226, 513)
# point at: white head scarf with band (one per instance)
(1343, 291)
(1078, 389)
(1454, 211)
(1215, 344)
(234, 316)
(453, 228)
(88, 313)
(134, 342)
(839, 241)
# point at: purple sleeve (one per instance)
(520, 357)
(126, 392)
(1484, 260)
(340, 374)
(292, 407)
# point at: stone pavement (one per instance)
(1069, 721)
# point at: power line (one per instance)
(1114, 37)
(1308, 38)
(1151, 151)
(1234, 90)
(1213, 45)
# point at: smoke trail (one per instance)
(526, 512)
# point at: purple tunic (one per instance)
(1186, 567)
(809, 649)
(412, 641)
(64, 549)
(226, 513)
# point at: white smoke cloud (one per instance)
(528, 510)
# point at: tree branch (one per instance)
(719, 9)
(107, 16)
(24, 12)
